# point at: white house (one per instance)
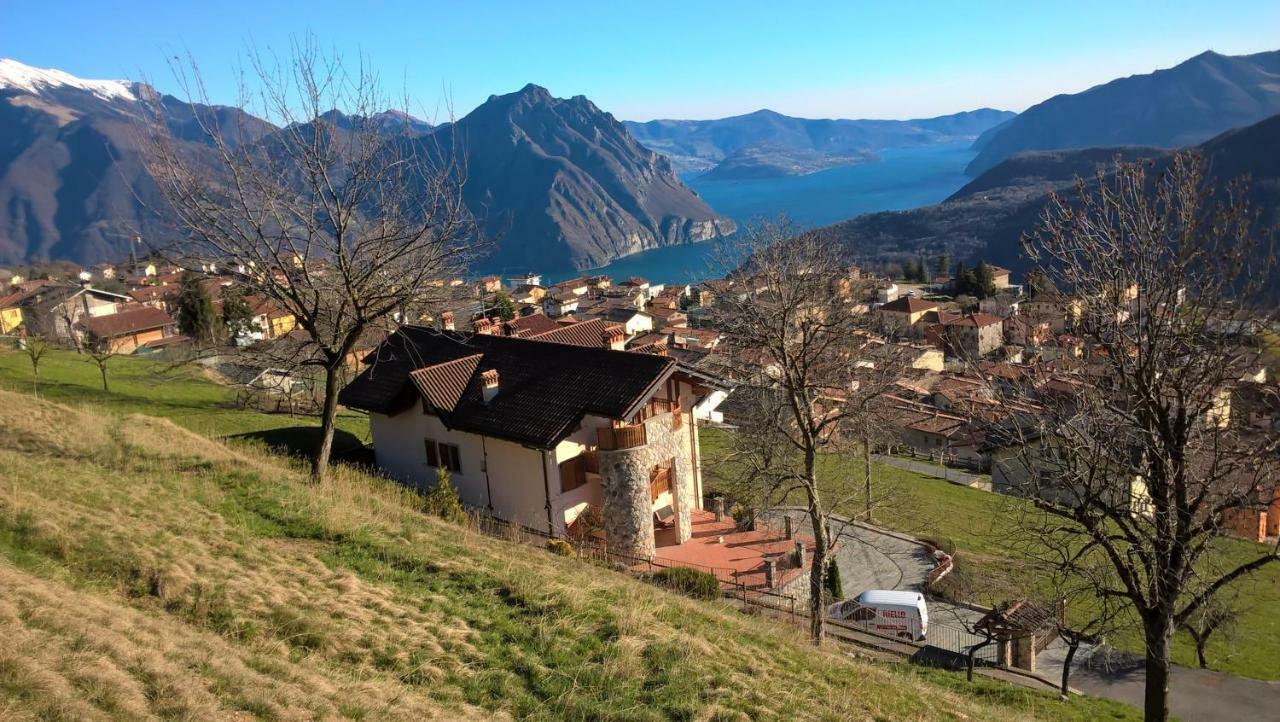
(535, 432)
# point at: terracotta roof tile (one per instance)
(442, 384)
(132, 320)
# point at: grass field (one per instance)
(146, 570)
(183, 394)
(977, 523)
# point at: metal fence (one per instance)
(959, 640)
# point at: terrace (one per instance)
(737, 558)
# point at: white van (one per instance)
(899, 614)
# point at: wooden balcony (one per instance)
(626, 436)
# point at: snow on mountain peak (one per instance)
(16, 75)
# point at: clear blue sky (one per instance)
(686, 59)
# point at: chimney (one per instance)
(483, 326)
(615, 338)
(489, 384)
(446, 320)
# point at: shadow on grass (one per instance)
(302, 441)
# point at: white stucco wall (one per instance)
(514, 490)
(515, 484)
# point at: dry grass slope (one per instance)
(148, 572)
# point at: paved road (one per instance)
(955, 476)
(874, 559)
(1194, 694)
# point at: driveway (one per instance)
(869, 558)
(955, 476)
(1194, 694)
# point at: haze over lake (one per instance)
(903, 178)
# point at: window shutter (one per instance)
(433, 458)
(455, 457)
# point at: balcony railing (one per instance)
(628, 436)
(659, 482)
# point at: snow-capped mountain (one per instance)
(21, 77)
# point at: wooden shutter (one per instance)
(433, 457)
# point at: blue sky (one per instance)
(690, 59)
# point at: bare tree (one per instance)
(1215, 618)
(807, 371)
(35, 348)
(340, 218)
(1138, 465)
(101, 355)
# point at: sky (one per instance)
(661, 59)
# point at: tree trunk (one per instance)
(1202, 641)
(1066, 668)
(1156, 698)
(866, 458)
(818, 570)
(103, 368)
(320, 461)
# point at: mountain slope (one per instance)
(72, 182)
(986, 218)
(560, 183)
(146, 571)
(1187, 104)
(702, 144)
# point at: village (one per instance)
(515, 392)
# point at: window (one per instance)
(573, 473)
(442, 455)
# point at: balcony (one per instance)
(625, 436)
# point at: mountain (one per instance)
(72, 182)
(986, 218)
(559, 183)
(700, 145)
(1172, 108)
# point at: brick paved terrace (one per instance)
(735, 557)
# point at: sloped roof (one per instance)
(976, 320)
(544, 391)
(584, 333)
(442, 385)
(142, 318)
(909, 304)
(534, 323)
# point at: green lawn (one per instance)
(978, 524)
(184, 394)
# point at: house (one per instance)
(974, 335)
(903, 313)
(271, 320)
(129, 329)
(1003, 305)
(701, 338)
(579, 286)
(528, 293)
(489, 284)
(54, 309)
(669, 317)
(527, 279)
(560, 304)
(887, 292)
(633, 321)
(999, 277)
(1022, 466)
(1061, 311)
(537, 433)
(1024, 331)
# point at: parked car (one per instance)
(893, 613)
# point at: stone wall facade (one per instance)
(624, 477)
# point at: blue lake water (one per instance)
(903, 178)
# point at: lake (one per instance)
(903, 178)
